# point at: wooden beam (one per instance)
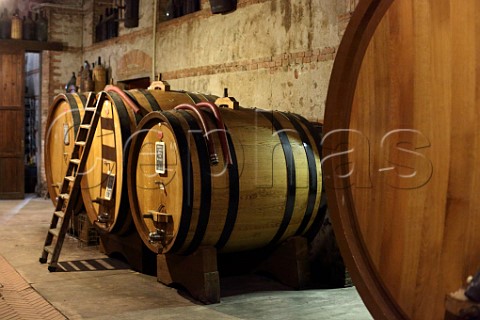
(31, 45)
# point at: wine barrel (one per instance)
(400, 151)
(63, 120)
(266, 188)
(104, 189)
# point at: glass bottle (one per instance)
(17, 26)
(5, 25)
(28, 27)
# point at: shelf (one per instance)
(31, 45)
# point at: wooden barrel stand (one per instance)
(198, 272)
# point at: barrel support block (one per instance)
(289, 264)
(197, 273)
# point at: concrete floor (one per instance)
(125, 294)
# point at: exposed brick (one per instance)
(328, 50)
(299, 55)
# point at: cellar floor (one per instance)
(113, 291)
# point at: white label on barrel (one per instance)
(160, 157)
(109, 189)
(66, 137)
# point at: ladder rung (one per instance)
(92, 109)
(70, 178)
(85, 126)
(49, 249)
(64, 196)
(60, 214)
(81, 143)
(75, 161)
(55, 231)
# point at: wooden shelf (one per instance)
(31, 45)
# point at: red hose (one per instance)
(206, 129)
(125, 97)
(222, 134)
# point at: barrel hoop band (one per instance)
(151, 100)
(322, 209)
(312, 174)
(195, 97)
(291, 179)
(83, 98)
(138, 115)
(205, 183)
(233, 196)
(187, 181)
(123, 117)
(75, 113)
(122, 211)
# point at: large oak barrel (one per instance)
(269, 190)
(400, 153)
(104, 189)
(63, 120)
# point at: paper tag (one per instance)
(160, 157)
(110, 184)
(66, 136)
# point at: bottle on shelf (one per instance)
(5, 25)
(28, 27)
(87, 77)
(17, 26)
(99, 76)
(71, 85)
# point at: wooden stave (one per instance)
(225, 233)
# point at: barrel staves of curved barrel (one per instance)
(400, 152)
(264, 189)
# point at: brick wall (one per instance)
(271, 54)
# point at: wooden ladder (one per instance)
(70, 188)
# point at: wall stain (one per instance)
(273, 6)
(286, 9)
(310, 24)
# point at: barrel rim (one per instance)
(122, 222)
(148, 122)
(62, 97)
(345, 72)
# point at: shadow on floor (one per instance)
(92, 265)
